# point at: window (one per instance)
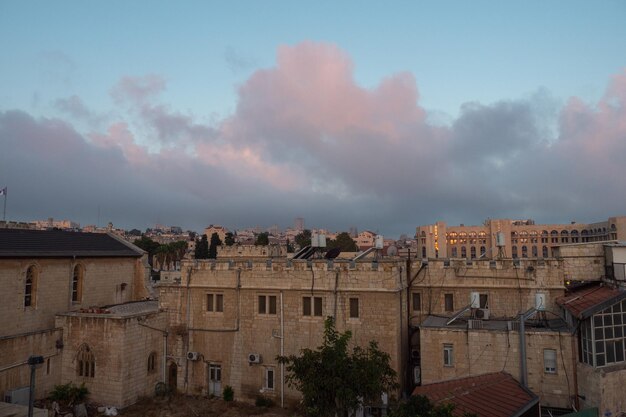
(473, 252)
(463, 252)
(215, 303)
(267, 304)
(448, 302)
(354, 308)
(312, 306)
(269, 379)
(544, 251)
(514, 251)
(454, 252)
(86, 362)
(448, 355)
(417, 301)
(77, 284)
(151, 362)
(549, 361)
(484, 300)
(30, 286)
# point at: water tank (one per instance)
(315, 240)
(321, 241)
(379, 242)
(540, 301)
(475, 300)
(500, 239)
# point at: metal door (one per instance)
(215, 380)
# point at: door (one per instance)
(172, 377)
(215, 380)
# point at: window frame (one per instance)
(446, 297)
(352, 306)
(78, 278)
(448, 355)
(269, 370)
(215, 302)
(550, 369)
(311, 303)
(30, 287)
(416, 296)
(269, 303)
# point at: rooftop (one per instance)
(130, 309)
(588, 300)
(23, 243)
(489, 395)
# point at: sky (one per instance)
(378, 115)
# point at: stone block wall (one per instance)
(477, 352)
(603, 388)
(227, 337)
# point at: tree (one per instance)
(202, 248)
(303, 238)
(262, 239)
(343, 242)
(229, 239)
(148, 245)
(134, 232)
(333, 380)
(215, 242)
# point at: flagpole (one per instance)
(4, 212)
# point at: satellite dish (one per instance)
(392, 251)
(332, 253)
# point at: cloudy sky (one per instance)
(378, 115)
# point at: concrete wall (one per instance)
(228, 337)
(482, 351)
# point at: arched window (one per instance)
(544, 251)
(30, 287)
(554, 236)
(574, 236)
(77, 283)
(454, 253)
(463, 252)
(544, 236)
(514, 251)
(482, 251)
(564, 236)
(533, 236)
(524, 252)
(152, 362)
(86, 362)
(423, 234)
(534, 251)
(473, 252)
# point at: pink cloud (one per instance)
(119, 137)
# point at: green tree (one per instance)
(148, 245)
(215, 242)
(202, 248)
(289, 247)
(303, 238)
(343, 242)
(333, 380)
(229, 239)
(262, 239)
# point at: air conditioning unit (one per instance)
(17, 396)
(254, 358)
(482, 313)
(193, 356)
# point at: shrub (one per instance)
(69, 393)
(228, 393)
(262, 401)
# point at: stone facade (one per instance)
(248, 322)
(31, 330)
(251, 251)
(522, 238)
(121, 344)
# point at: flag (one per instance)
(3, 191)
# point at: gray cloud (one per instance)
(305, 140)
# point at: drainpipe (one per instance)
(282, 352)
(522, 345)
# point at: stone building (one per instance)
(252, 251)
(230, 319)
(519, 238)
(46, 273)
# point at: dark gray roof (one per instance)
(20, 243)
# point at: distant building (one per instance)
(518, 238)
(220, 230)
(299, 224)
(50, 223)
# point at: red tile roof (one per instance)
(489, 395)
(584, 302)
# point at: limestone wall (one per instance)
(603, 388)
(510, 286)
(103, 284)
(482, 351)
(227, 337)
(16, 350)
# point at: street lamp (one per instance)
(34, 362)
